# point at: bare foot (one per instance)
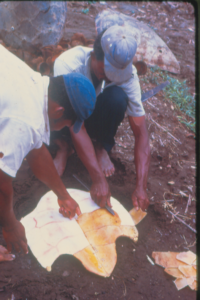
(104, 161)
(64, 151)
(4, 255)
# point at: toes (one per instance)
(7, 257)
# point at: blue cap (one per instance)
(119, 47)
(106, 19)
(82, 97)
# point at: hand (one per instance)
(69, 207)
(100, 192)
(4, 254)
(140, 199)
(15, 236)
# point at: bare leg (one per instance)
(4, 255)
(64, 151)
(104, 160)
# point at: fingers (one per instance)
(24, 247)
(68, 213)
(78, 211)
(135, 203)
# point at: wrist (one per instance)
(141, 187)
(99, 179)
(10, 224)
(63, 195)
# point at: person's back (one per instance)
(22, 91)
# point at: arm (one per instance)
(43, 167)
(99, 191)
(13, 230)
(142, 159)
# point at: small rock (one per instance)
(171, 182)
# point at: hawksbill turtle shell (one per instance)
(151, 48)
(90, 237)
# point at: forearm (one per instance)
(141, 151)
(7, 217)
(86, 153)
(142, 160)
(42, 165)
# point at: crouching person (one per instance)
(30, 106)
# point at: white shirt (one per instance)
(78, 60)
(24, 122)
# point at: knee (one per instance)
(117, 99)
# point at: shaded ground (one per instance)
(133, 277)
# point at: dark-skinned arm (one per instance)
(142, 160)
(13, 230)
(42, 165)
(99, 191)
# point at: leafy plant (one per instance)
(177, 91)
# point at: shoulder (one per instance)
(78, 52)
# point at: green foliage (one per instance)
(85, 11)
(177, 91)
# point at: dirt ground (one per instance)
(133, 276)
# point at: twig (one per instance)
(179, 164)
(172, 200)
(150, 260)
(188, 203)
(194, 230)
(189, 218)
(124, 293)
(165, 130)
(152, 105)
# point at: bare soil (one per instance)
(133, 276)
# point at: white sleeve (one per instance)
(17, 139)
(72, 60)
(61, 68)
(133, 91)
